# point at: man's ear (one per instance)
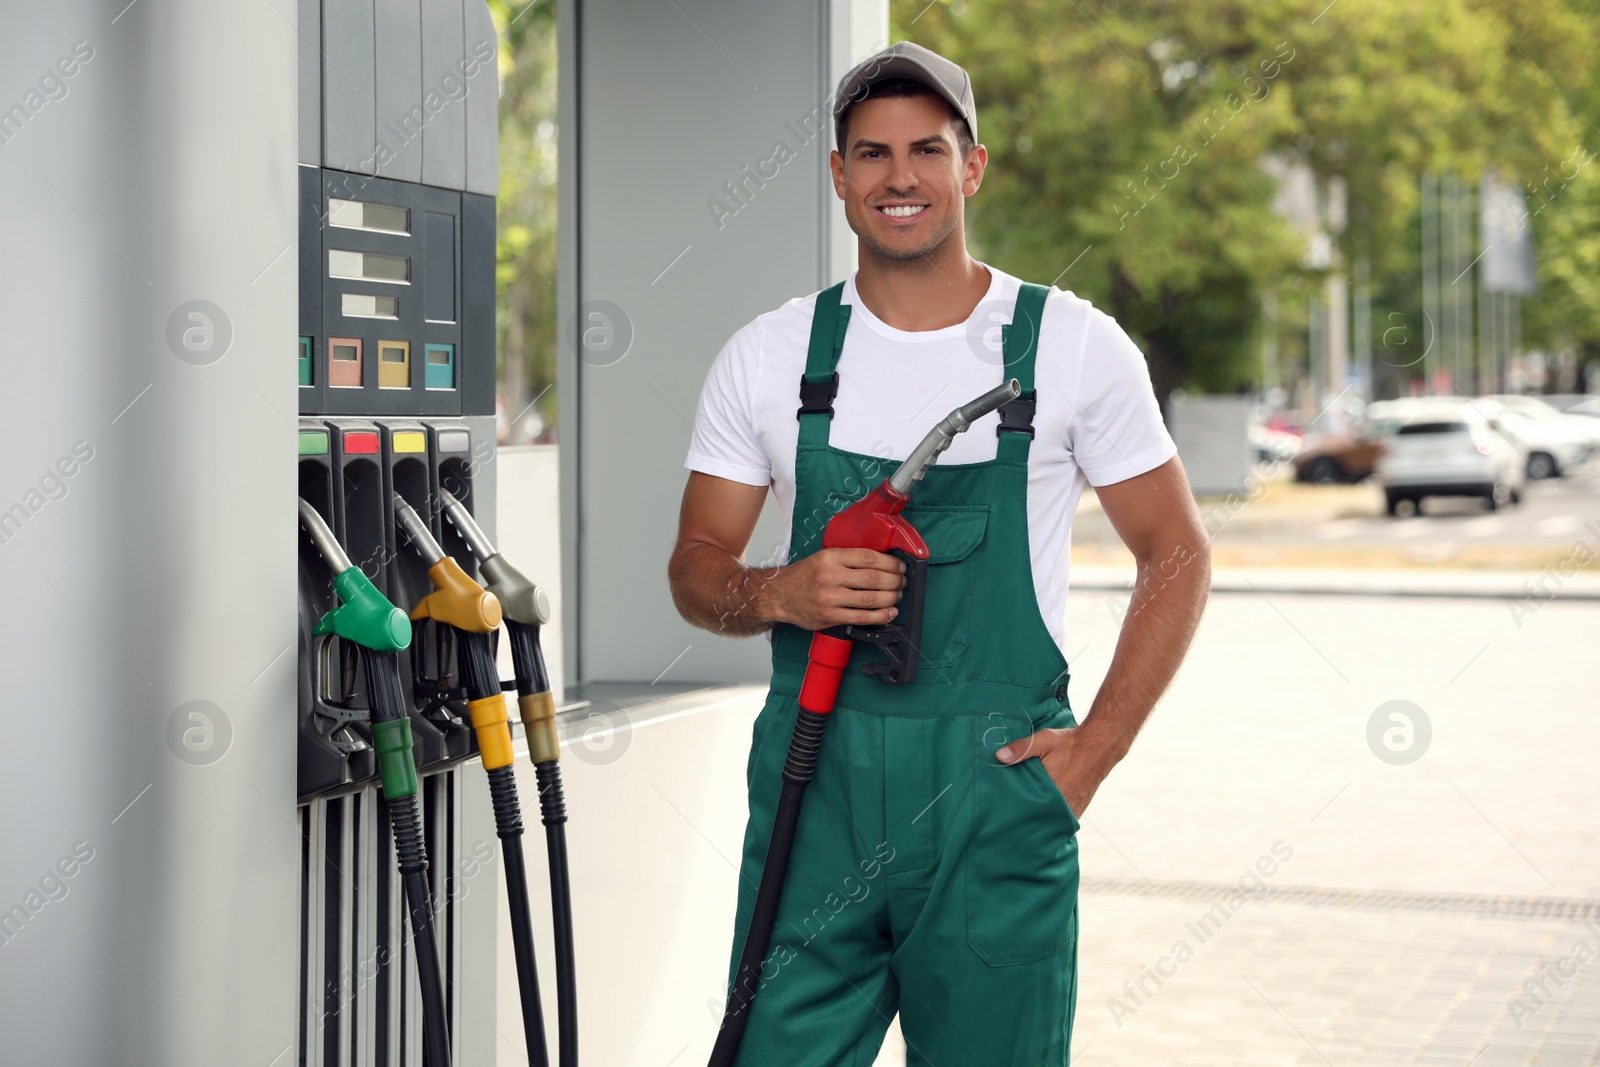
(974, 165)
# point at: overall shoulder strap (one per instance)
(820, 382)
(1020, 344)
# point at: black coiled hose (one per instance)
(798, 769)
(386, 705)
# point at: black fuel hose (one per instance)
(533, 679)
(475, 659)
(798, 770)
(392, 735)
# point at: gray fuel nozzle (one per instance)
(521, 600)
(322, 536)
(421, 537)
(932, 446)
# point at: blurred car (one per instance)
(1586, 409)
(1273, 446)
(1405, 407)
(1343, 457)
(1453, 450)
(1540, 410)
(1552, 447)
(1288, 422)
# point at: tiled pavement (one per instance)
(1264, 739)
(1290, 984)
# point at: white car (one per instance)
(1553, 444)
(1572, 421)
(1274, 446)
(1406, 407)
(1443, 449)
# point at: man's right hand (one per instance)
(833, 586)
(714, 589)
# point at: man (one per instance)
(935, 867)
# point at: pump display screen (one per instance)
(375, 218)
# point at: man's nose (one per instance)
(902, 180)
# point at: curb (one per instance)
(1545, 585)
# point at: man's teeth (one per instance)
(902, 212)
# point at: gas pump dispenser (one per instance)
(396, 370)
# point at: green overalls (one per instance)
(927, 877)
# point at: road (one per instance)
(1280, 523)
(1408, 901)
(1553, 511)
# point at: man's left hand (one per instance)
(1075, 763)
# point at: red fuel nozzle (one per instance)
(875, 521)
(828, 658)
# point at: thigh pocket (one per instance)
(1022, 856)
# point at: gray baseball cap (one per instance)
(908, 60)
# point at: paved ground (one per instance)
(1417, 899)
(1281, 523)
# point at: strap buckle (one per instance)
(1017, 415)
(816, 398)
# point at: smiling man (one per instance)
(935, 869)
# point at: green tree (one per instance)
(525, 267)
(1564, 207)
(1132, 133)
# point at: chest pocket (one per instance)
(955, 540)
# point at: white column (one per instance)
(1336, 291)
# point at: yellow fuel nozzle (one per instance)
(456, 599)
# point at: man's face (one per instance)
(900, 176)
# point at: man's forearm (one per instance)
(1168, 597)
(716, 591)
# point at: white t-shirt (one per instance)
(1096, 419)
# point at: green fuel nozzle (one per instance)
(520, 599)
(364, 615)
